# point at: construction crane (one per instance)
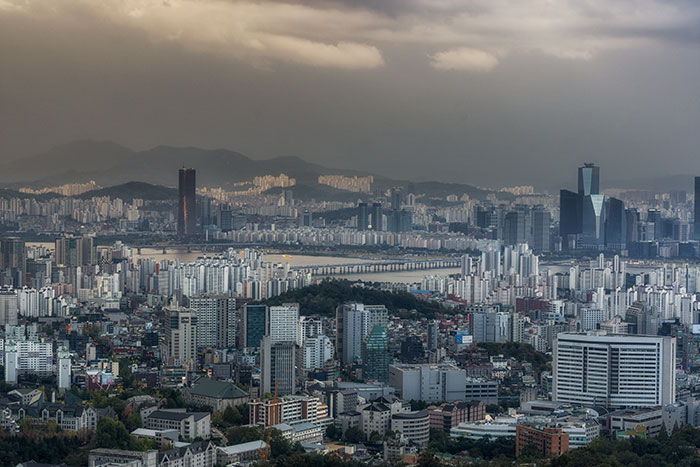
(265, 453)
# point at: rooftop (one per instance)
(208, 387)
(243, 447)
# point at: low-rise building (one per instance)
(550, 441)
(226, 455)
(218, 395)
(448, 415)
(190, 425)
(414, 426)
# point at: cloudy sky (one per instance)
(489, 92)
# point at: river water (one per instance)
(301, 260)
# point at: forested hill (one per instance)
(324, 298)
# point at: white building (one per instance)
(28, 357)
(282, 323)
(216, 320)
(316, 351)
(414, 426)
(614, 370)
(428, 382)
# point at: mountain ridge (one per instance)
(109, 164)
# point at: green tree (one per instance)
(333, 432)
(354, 435)
(111, 434)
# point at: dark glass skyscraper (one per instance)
(375, 358)
(588, 180)
(696, 218)
(616, 225)
(570, 215)
(362, 217)
(254, 325)
(376, 216)
(187, 208)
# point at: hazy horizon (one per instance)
(487, 93)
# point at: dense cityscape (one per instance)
(499, 330)
(342, 233)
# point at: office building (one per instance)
(615, 371)
(277, 366)
(589, 179)
(412, 350)
(13, 262)
(286, 409)
(375, 356)
(282, 323)
(541, 220)
(616, 225)
(354, 321)
(593, 222)
(75, 251)
(570, 217)
(225, 218)
(189, 425)
(216, 320)
(550, 441)
(362, 217)
(396, 199)
(307, 218)
(9, 307)
(316, 351)
(450, 414)
(514, 228)
(490, 326)
(254, 327)
(413, 426)
(433, 333)
(182, 338)
(187, 203)
(377, 217)
(428, 382)
(399, 221)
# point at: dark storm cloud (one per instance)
(487, 91)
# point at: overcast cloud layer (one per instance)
(490, 92)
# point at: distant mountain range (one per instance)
(110, 164)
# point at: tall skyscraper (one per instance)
(514, 228)
(283, 323)
(396, 198)
(187, 208)
(182, 338)
(362, 216)
(377, 217)
(570, 216)
(13, 262)
(277, 366)
(216, 320)
(375, 357)
(254, 327)
(593, 221)
(354, 321)
(589, 180)
(541, 220)
(696, 218)
(432, 337)
(614, 371)
(75, 251)
(616, 224)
